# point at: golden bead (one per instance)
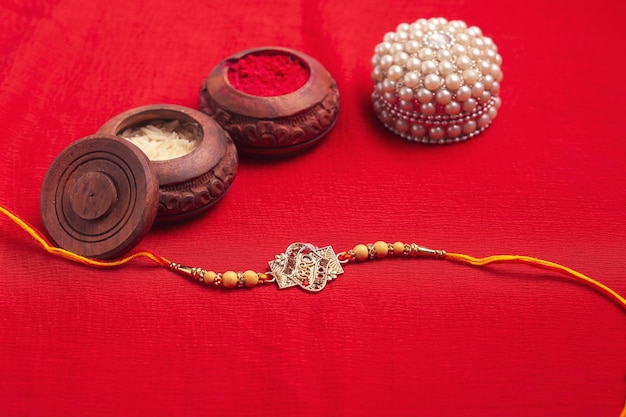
(250, 278)
(361, 252)
(209, 277)
(381, 249)
(398, 248)
(230, 279)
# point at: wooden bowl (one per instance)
(273, 126)
(192, 183)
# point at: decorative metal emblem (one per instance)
(305, 265)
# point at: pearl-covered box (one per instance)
(436, 81)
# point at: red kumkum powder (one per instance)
(268, 74)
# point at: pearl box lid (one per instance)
(436, 81)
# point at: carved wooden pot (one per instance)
(192, 183)
(272, 126)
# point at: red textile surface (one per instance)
(392, 337)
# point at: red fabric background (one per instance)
(395, 337)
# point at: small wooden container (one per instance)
(102, 194)
(192, 183)
(99, 197)
(272, 126)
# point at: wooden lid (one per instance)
(99, 197)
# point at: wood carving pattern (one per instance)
(279, 132)
(181, 201)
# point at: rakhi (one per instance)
(307, 266)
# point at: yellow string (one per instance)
(75, 257)
(543, 264)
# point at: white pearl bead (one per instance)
(459, 24)
(411, 79)
(390, 97)
(444, 55)
(402, 27)
(445, 68)
(488, 81)
(497, 102)
(443, 96)
(405, 93)
(495, 88)
(412, 46)
(378, 73)
(418, 131)
(386, 61)
(428, 67)
(483, 120)
(475, 53)
(385, 116)
(413, 64)
(428, 109)
(469, 127)
(485, 96)
(453, 108)
(453, 81)
(424, 95)
(492, 113)
(395, 72)
(478, 89)
(491, 55)
(463, 62)
(426, 53)
(462, 38)
(474, 31)
(484, 66)
(478, 43)
(469, 105)
(464, 93)
(396, 47)
(400, 58)
(375, 60)
(432, 81)
(496, 72)
(402, 36)
(378, 87)
(378, 106)
(498, 59)
(459, 50)
(436, 132)
(454, 131)
(469, 75)
(401, 125)
(406, 105)
(389, 37)
(416, 34)
(383, 48)
(389, 86)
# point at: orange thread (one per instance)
(48, 247)
(539, 263)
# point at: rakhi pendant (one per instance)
(306, 265)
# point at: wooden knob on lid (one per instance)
(99, 197)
